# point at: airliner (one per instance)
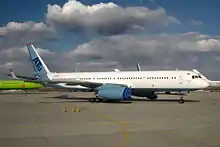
(120, 86)
(17, 84)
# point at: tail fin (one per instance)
(138, 67)
(37, 62)
(14, 77)
(116, 70)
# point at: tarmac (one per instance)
(47, 120)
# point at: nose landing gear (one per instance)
(181, 100)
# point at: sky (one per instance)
(100, 35)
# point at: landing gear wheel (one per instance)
(92, 100)
(95, 100)
(181, 101)
(98, 100)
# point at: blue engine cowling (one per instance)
(114, 92)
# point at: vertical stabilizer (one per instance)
(138, 67)
(37, 62)
(14, 77)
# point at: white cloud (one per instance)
(18, 59)
(16, 34)
(184, 50)
(209, 44)
(15, 27)
(196, 22)
(131, 44)
(105, 18)
(123, 51)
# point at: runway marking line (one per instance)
(122, 124)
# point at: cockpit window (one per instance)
(195, 77)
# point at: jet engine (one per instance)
(152, 97)
(114, 92)
(144, 93)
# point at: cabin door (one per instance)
(77, 78)
(181, 79)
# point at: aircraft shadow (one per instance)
(164, 100)
(77, 99)
(20, 93)
(81, 99)
(73, 101)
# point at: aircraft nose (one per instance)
(205, 84)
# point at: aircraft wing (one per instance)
(88, 84)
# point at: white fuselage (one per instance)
(158, 80)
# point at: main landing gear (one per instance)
(181, 101)
(95, 100)
(25, 92)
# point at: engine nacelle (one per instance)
(143, 93)
(114, 92)
(152, 97)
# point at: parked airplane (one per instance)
(18, 85)
(121, 85)
(19, 77)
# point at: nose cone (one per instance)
(204, 83)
